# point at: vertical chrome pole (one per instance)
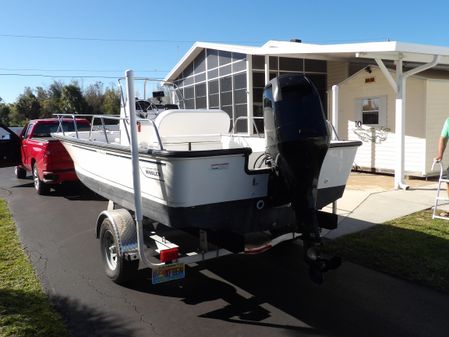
(131, 106)
(249, 94)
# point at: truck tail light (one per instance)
(168, 255)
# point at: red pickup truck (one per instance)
(37, 152)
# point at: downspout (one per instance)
(399, 86)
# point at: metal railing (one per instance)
(102, 118)
(238, 119)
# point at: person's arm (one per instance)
(441, 147)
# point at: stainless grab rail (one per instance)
(102, 118)
(244, 118)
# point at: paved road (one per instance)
(262, 295)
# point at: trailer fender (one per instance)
(124, 226)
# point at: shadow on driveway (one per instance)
(80, 319)
(68, 190)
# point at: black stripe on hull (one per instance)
(241, 216)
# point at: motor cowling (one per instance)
(297, 140)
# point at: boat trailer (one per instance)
(126, 237)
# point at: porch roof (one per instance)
(388, 51)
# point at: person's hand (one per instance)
(438, 158)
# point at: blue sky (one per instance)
(104, 38)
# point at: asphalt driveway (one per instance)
(262, 295)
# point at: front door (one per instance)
(9, 147)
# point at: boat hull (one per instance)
(240, 216)
(199, 189)
(210, 190)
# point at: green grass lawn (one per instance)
(24, 307)
(414, 247)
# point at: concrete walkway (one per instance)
(371, 199)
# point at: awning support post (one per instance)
(399, 86)
(335, 93)
(400, 128)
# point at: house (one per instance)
(232, 78)
(366, 111)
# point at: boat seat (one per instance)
(187, 129)
(192, 122)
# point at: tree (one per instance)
(5, 111)
(54, 94)
(50, 99)
(72, 100)
(44, 102)
(42, 97)
(94, 97)
(55, 90)
(26, 107)
(111, 101)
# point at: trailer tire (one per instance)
(117, 268)
(41, 187)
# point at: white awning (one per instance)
(390, 50)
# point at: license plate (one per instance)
(169, 272)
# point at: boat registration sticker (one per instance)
(168, 272)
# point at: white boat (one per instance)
(195, 172)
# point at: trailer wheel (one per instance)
(20, 172)
(117, 268)
(41, 187)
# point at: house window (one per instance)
(372, 110)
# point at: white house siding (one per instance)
(415, 153)
(415, 109)
(415, 127)
(438, 110)
(355, 88)
(380, 154)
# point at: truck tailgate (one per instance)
(56, 157)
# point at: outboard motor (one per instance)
(297, 140)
